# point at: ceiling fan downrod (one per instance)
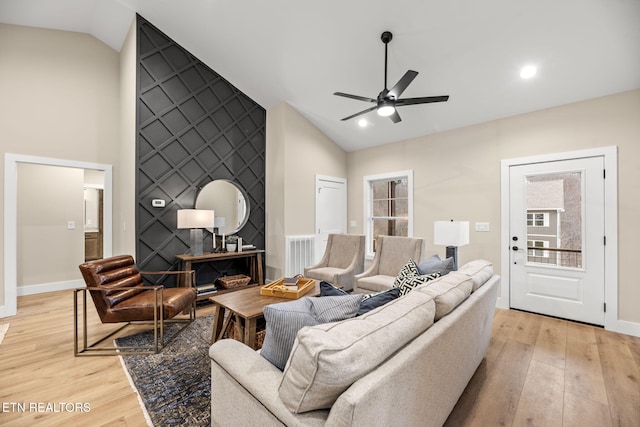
(386, 38)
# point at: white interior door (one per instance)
(331, 210)
(557, 234)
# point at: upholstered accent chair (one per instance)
(343, 258)
(392, 253)
(120, 295)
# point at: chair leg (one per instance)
(94, 349)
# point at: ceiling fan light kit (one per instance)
(388, 100)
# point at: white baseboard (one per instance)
(49, 287)
(625, 327)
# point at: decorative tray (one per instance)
(279, 289)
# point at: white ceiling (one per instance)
(301, 52)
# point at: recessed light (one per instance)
(528, 71)
(362, 123)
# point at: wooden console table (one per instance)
(255, 263)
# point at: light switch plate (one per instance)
(482, 226)
(71, 225)
(354, 223)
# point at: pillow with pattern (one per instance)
(410, 278)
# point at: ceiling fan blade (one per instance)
(395, 117)
(402, 84)
(359, 98)
(361, 112)
(423, 100)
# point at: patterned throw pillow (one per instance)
(410, 278)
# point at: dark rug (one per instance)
(175, 384)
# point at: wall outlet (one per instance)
(71, 225)
(354, 223)
(482, 226)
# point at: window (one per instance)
(388, 207)
(537, 219)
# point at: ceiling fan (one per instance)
(388, 100)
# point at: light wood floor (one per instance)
(538, 371)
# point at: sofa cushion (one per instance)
(326, 359)
(479, 270)
(409, 278)
(436, 265)
(448, 292)
(285, 319)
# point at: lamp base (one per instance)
(452, 252)
(196, 242)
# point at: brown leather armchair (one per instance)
(120, 295)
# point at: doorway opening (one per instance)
(8, 299)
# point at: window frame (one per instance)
(368, 205)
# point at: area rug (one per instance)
(3, 330)
(174, 386)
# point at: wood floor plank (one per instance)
(551, 344)
(584, 371)
(527, 328)
(622, 378)
(541, 400)
(582, 412)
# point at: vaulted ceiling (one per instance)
(301, 52)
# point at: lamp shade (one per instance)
(451, 233)
(195, 218)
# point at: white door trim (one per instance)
(11, 218)
(611, 230)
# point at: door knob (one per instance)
(514, 238)
(515, 248)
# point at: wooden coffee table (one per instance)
(245, 307)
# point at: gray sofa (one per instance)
(405, 363)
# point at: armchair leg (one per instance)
(83, 348)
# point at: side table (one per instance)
(255, 263)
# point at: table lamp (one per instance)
(195, 220)
(451, 234)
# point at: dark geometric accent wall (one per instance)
(193, 126)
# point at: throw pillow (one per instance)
(371, 301)
(436, 265)
(327, 289)
(285, 319)
(409, 278)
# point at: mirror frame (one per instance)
(246, 203)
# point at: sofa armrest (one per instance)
(245, 389)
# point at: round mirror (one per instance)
(229, 203)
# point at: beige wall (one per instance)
(124, 176)
(48, 198)
(296, 152)
(457, 174)
(60, 99)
